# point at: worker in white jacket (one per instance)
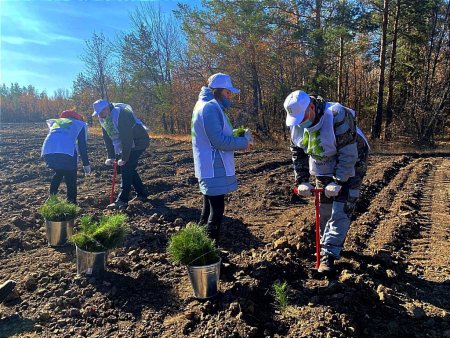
(326, 144)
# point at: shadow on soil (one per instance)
(234, 234)
(134, 294)
(15, 325)
(255, 309)
(171, 213)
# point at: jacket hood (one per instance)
(205, 94)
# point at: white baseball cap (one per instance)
(220, 80)
(296, 104)
(99, 105)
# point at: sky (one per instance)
(42, 41)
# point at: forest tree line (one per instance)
(387, 59)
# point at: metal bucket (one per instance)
(59, 232)
(205, 279)
(90, 263)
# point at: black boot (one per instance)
(213, 231)
(326, 264)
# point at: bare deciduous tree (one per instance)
(97, 58)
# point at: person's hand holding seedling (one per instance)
(249, 137)
(244, 132)
(239, 132)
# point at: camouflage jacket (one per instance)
(350, 148)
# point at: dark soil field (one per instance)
(392, 281)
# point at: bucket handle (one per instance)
(202, 256)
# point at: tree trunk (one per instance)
(389, 113)
(257, 100)
(319, 40)
(341, 66)
(376, 126)
(164, 123)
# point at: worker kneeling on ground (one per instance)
(326, 143)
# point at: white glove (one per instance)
(87, 169)
(109, 161)
(332, 190)
(248, 136)
(304, 189)
(121, 162)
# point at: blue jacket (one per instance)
(220, 184)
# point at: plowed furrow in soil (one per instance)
(402, 220)
(427, 258)
(379, 174)
(385, 261)
(363, 227)
(431, 250)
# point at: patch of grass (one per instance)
(192, 246)
(108, 233)
(280, 291)
(57, 210)
(239, 132)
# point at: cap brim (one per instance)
(292, 121)
(234, 90)
(94, 113)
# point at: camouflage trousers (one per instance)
(336, 213)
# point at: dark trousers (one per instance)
(130, 177)
(212, 214)
(70, 177)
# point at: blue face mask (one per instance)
(308, 123)
(225, 102)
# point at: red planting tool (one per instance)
(111, 198)
(316, 192)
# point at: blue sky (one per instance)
(41, 41)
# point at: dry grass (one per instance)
(173, 137)
(97, 131)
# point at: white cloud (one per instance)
(18, 40)
(22, 76)
(22, 25)
(27, 58)
(49, 39)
